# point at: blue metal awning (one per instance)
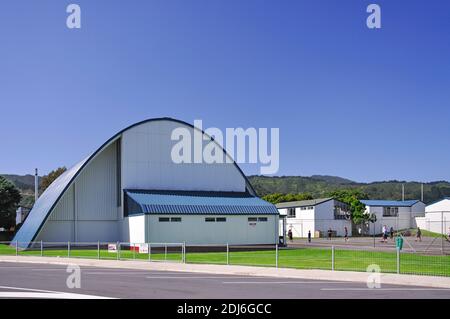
(195, 203)
(389, 203)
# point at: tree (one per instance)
(353, 198)
(9, 199)
(50, 177)
(280, 198)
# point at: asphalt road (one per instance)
(22, 280)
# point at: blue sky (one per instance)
(358, 103)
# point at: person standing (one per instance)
(419, 235)
(309, 236)
(383, 235)
(392, 232)
(330, 233)
(346, 234)
(290, 235)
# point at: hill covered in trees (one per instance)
(321, 186)
(316, 186)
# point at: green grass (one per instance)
(308, 258)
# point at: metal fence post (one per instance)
(165, 252)
(398, 260)
(276, 255)
(118, 250)
(68, 249)
(42, 249)
(149, 246)
(17, 248)
(184, 253)
(228, 254)
(98, 249)
(332, 257)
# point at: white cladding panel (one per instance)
(136, 226)
(194, 230)
(406, 218)
(443, 205)
(96, 188)
(147, 163)
(320, 218)
(325, 220)
(437, 217)
(64, 210)
(94, 230)
(302, 223)
(56, 231)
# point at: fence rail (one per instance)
(326, 258)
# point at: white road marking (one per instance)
(196, 277)
(281, 282)
(385, 289)
(113, 273)
(45, 295)
(39, 293)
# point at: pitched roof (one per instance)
(196, 203)
(390, 203)
(302, 203)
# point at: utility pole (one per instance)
(421, 193)
(36, 185)
(403, 192)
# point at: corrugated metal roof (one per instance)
(390, 203)
(303, 203)
(197, 203)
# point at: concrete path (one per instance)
(343, 276)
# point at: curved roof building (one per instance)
(131, 190)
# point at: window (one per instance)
(252, 219)
(176, 219)
(221, 219)
(164, 219)
(291, 213)
(390, 212)
(307, 208)
(341, 211)
(262, 219)
(210, 220)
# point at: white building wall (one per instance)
(137, 227)
(147, 163)
(87, 212)
(437, 217)
(320, 218)
(96, 188)
(441, 206)
(195, 231)
(324, 214)
(302, 223)
(406, 217)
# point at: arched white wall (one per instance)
(147, 163)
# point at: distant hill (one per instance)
(25, 183)
(320, 186)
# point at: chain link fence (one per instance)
(393, 260)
